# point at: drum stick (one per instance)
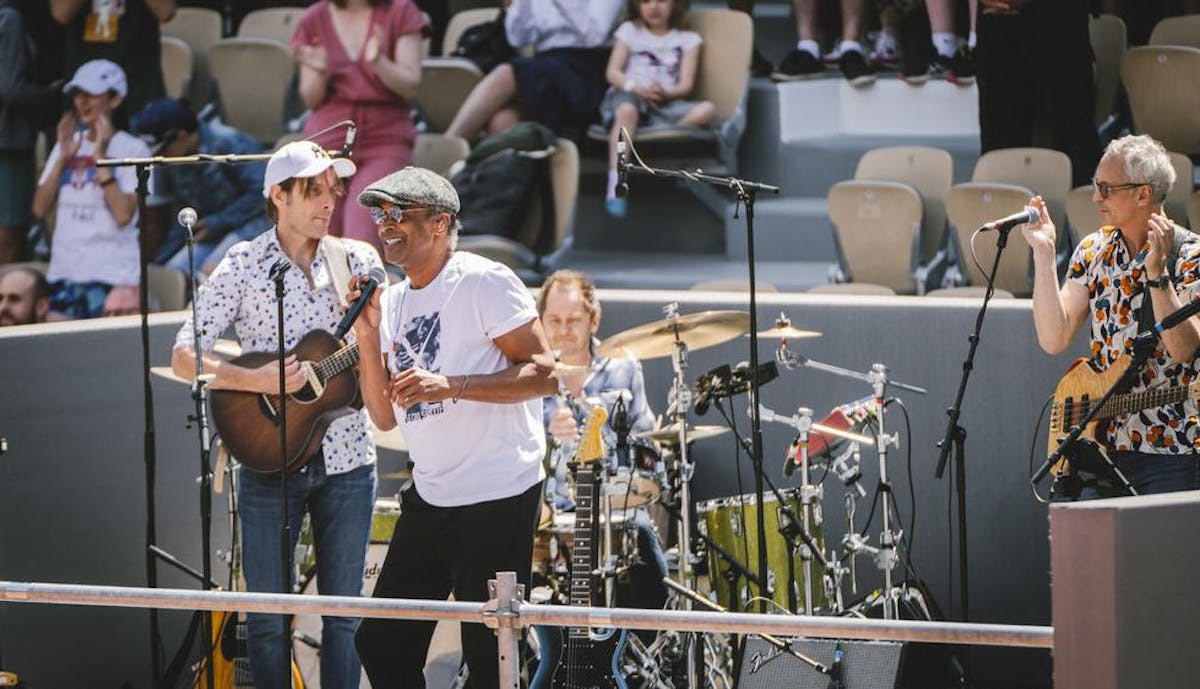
(773, 640)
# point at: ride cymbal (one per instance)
(696, 330)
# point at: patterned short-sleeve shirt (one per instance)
(1116, 284)
(240, 293)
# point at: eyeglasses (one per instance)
(396, 213)
(1105, 189)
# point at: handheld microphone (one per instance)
(622, 189)
(376, 276)
(187, 217)
(348, 144)
(1028, 215)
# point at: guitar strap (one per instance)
(337, 263)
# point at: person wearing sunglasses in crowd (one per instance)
(1132, 272)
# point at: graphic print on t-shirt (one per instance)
(418, 346)
(666, 71)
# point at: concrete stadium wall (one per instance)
(72, 506)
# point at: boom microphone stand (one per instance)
(279, 270)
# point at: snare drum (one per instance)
(722, 521)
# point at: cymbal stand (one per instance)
(877, 377)
(680, 399)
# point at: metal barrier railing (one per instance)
(506, 612)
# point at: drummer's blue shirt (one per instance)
(606, 381)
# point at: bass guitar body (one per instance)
(1078, 390)
(587, 659)
(248, 422)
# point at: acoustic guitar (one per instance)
(248, 422)
(582, 657)
(1081, 389)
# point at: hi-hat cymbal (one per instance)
(696, 330)
(787, 332)
(669, 435)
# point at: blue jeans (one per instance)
(1147, 473)
(340, 507)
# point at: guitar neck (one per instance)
(581, 551)
(342, 359)
(1136, 401)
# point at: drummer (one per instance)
(571, 316)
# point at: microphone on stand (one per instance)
(620, 426)
(1028, 215)
(187, 218)
(348, 144)
(376, 276)
(622, 189)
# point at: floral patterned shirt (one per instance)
(1116, 284)
(240, 293)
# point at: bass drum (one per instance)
(445, 651)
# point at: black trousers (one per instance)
(1037, 64)
(436, 551)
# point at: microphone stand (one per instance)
(200, 397)
(956, 436)
(278, 271)
(149, 457)
(745, 192)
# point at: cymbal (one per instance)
(669, 435)
(787, 332)
(560, 369)
(696, 330)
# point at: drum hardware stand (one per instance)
(810, 497)
(877, 377)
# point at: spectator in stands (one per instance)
(560, 86)
(24, 105)
(360, 60)
(1034, 61)
(24, 296)
(123, 31)
(651, 70)
(227, 198)
(804, 61)
(931, 51)
(94, 254)
(759, 65)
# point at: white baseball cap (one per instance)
(302, 159)
(99, 77)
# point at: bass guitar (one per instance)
(582, 657)
(248, 422)
(1081, 389)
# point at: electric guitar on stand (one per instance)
(1081, 388)
(582, 657)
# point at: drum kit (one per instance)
(718, 535)
(803, 576)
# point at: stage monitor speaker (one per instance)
(865, 664)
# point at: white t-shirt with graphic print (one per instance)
(88, 246)
(655, 57)
(464, 452)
